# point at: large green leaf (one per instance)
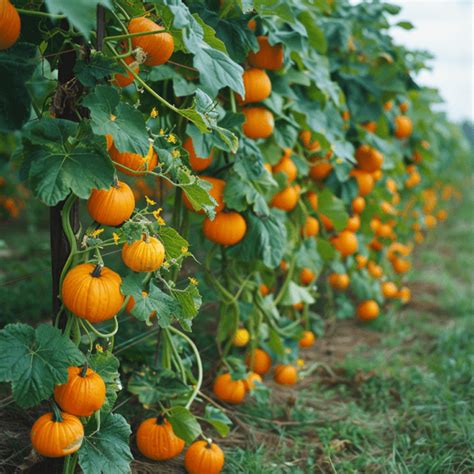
(174, 244)
(106, 365)
(333, 208)
(184, 423)
(97, 67)
(106, 451)
(35, 360)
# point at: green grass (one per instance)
(413, 413)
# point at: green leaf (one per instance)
(64, 164)
(35, 360)
(276, 343)
(153, 386)
(98, 67)
(172, 241)
(218, 419)
(107, 365)
(197, 191)
(189, 299)
(296, 294)
(106, 451)
(184, 423)
(326, 250)
(333, 208)
(111, 116)
(406, 25)
(82, 14)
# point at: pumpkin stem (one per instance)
(97, 270)
(209, 443)
(116, 184)
(56, 413)
(160, 419)
(83, 371)
(146, 237)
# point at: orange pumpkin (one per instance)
(216, 191)
(312, 146)
(82, 394)
(158, 47)
(306, 276)
(404, 106)
(367, 310)
(339, 281)
(124, 80)
(287, 166)
(403, 126)
(111, 206)
(92, 292)
(310, 227)
(241, 337)
(369, 159)
(358, 204)
(404, 294)
(365, 181)
(197, 163)
(144, 255)
(258, 123)
(345, 243)
(388, 105)
(361, 261)
(227, 228)
(264, 290)
(261, 361)
(56, 435)
(10, 24)
(134, 164)
(320, 170)
(156, 439)
(268, 56)
(109, 140)
(286, 199)
(313, 200)
(257, 86)
(228, 390)
(204, 457)
(307, 340)
(389, 289)
(370, 126)
(374, 270)
(285, 375)
(400, 265)
(353, 223)
(250, 381)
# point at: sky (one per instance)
(445, 28)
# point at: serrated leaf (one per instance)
(218, 419)
(184, 423)
(296, 294)
(95, 69)
(35, 360)
(173, 242)
(106, 451)
(107, 365)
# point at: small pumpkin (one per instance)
(264, 290)
(268, 56)
(368, 310)
(156, 439)
(158, 48)
(312, 146)
(241, 337)
(389, 289)
(257, 86)
(287, 199)
(92, 292)
(144, 255)
(259, 122)
(216, 191)
(339, 281)
(370, 126)
(361, 261)
(403, 126)
(259, 361)
(313, 200)
(228, 390)
(358, 204)
(353, 223)
(204, 457)
(111, 206)
(310, 227)
(82, 394)
(57, 434)
(10, 24)
(227, 228)
(404, 294)
(307, 276)
(375, 271)
(345, 243)
(307, 340)
(285, 375)
(124, 80)
(126, 161)
(369, 159)
(401, 265)
(320, 170)
(196, 162)
(286, 165)
(365, 181)
(251, 380)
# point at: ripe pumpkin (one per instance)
(404, 106)
(320, 170)
(353, 223)
(124, 80)
(442, 215)
(158, 48)
(306, 276)
(287, 166)
(264, 290)
(370, 126)
(389, 289)
(156, 439)
(204, 457)
(307, 340)
(339, 281)
(257, 85)
(133, 161)
(388, 105)
(403, 126)
(361, 261)
(404, 294)
(286, 199)
(241, 337)
(400, 265)
(430, 221)
(268, 56)
(109, 140)
(228, 390)
(227, 228)
(111, 206)
(346, 115)
(374, 270)
(310, 228)
(144, 255)
(285, 375)
(365, 181)
(345, 243)
(298, 306)
(197, 163)
(258, 123)
(250, 381)
(216, 191)
(358, 204)
(10, 24)
(368, 159)
(313, 200)
(92, 292)
(82, 394)
(367, 310)
(261, 361)
(312, 146)
(384, 231)
(55, 435)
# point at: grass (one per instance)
(404, 404)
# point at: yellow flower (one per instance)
(113, 117)
(160, 221)
(193, 281)
(300, 363)
(99, 348)
(149, 201)
(175, 154)
(166, 264)
(339, 161)
(154, 113)
(162, 132)
(171, 138)
(116, 238)
(184, 249)
(97, 232)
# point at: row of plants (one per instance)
(267, 164)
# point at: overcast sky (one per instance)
(445, 28)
